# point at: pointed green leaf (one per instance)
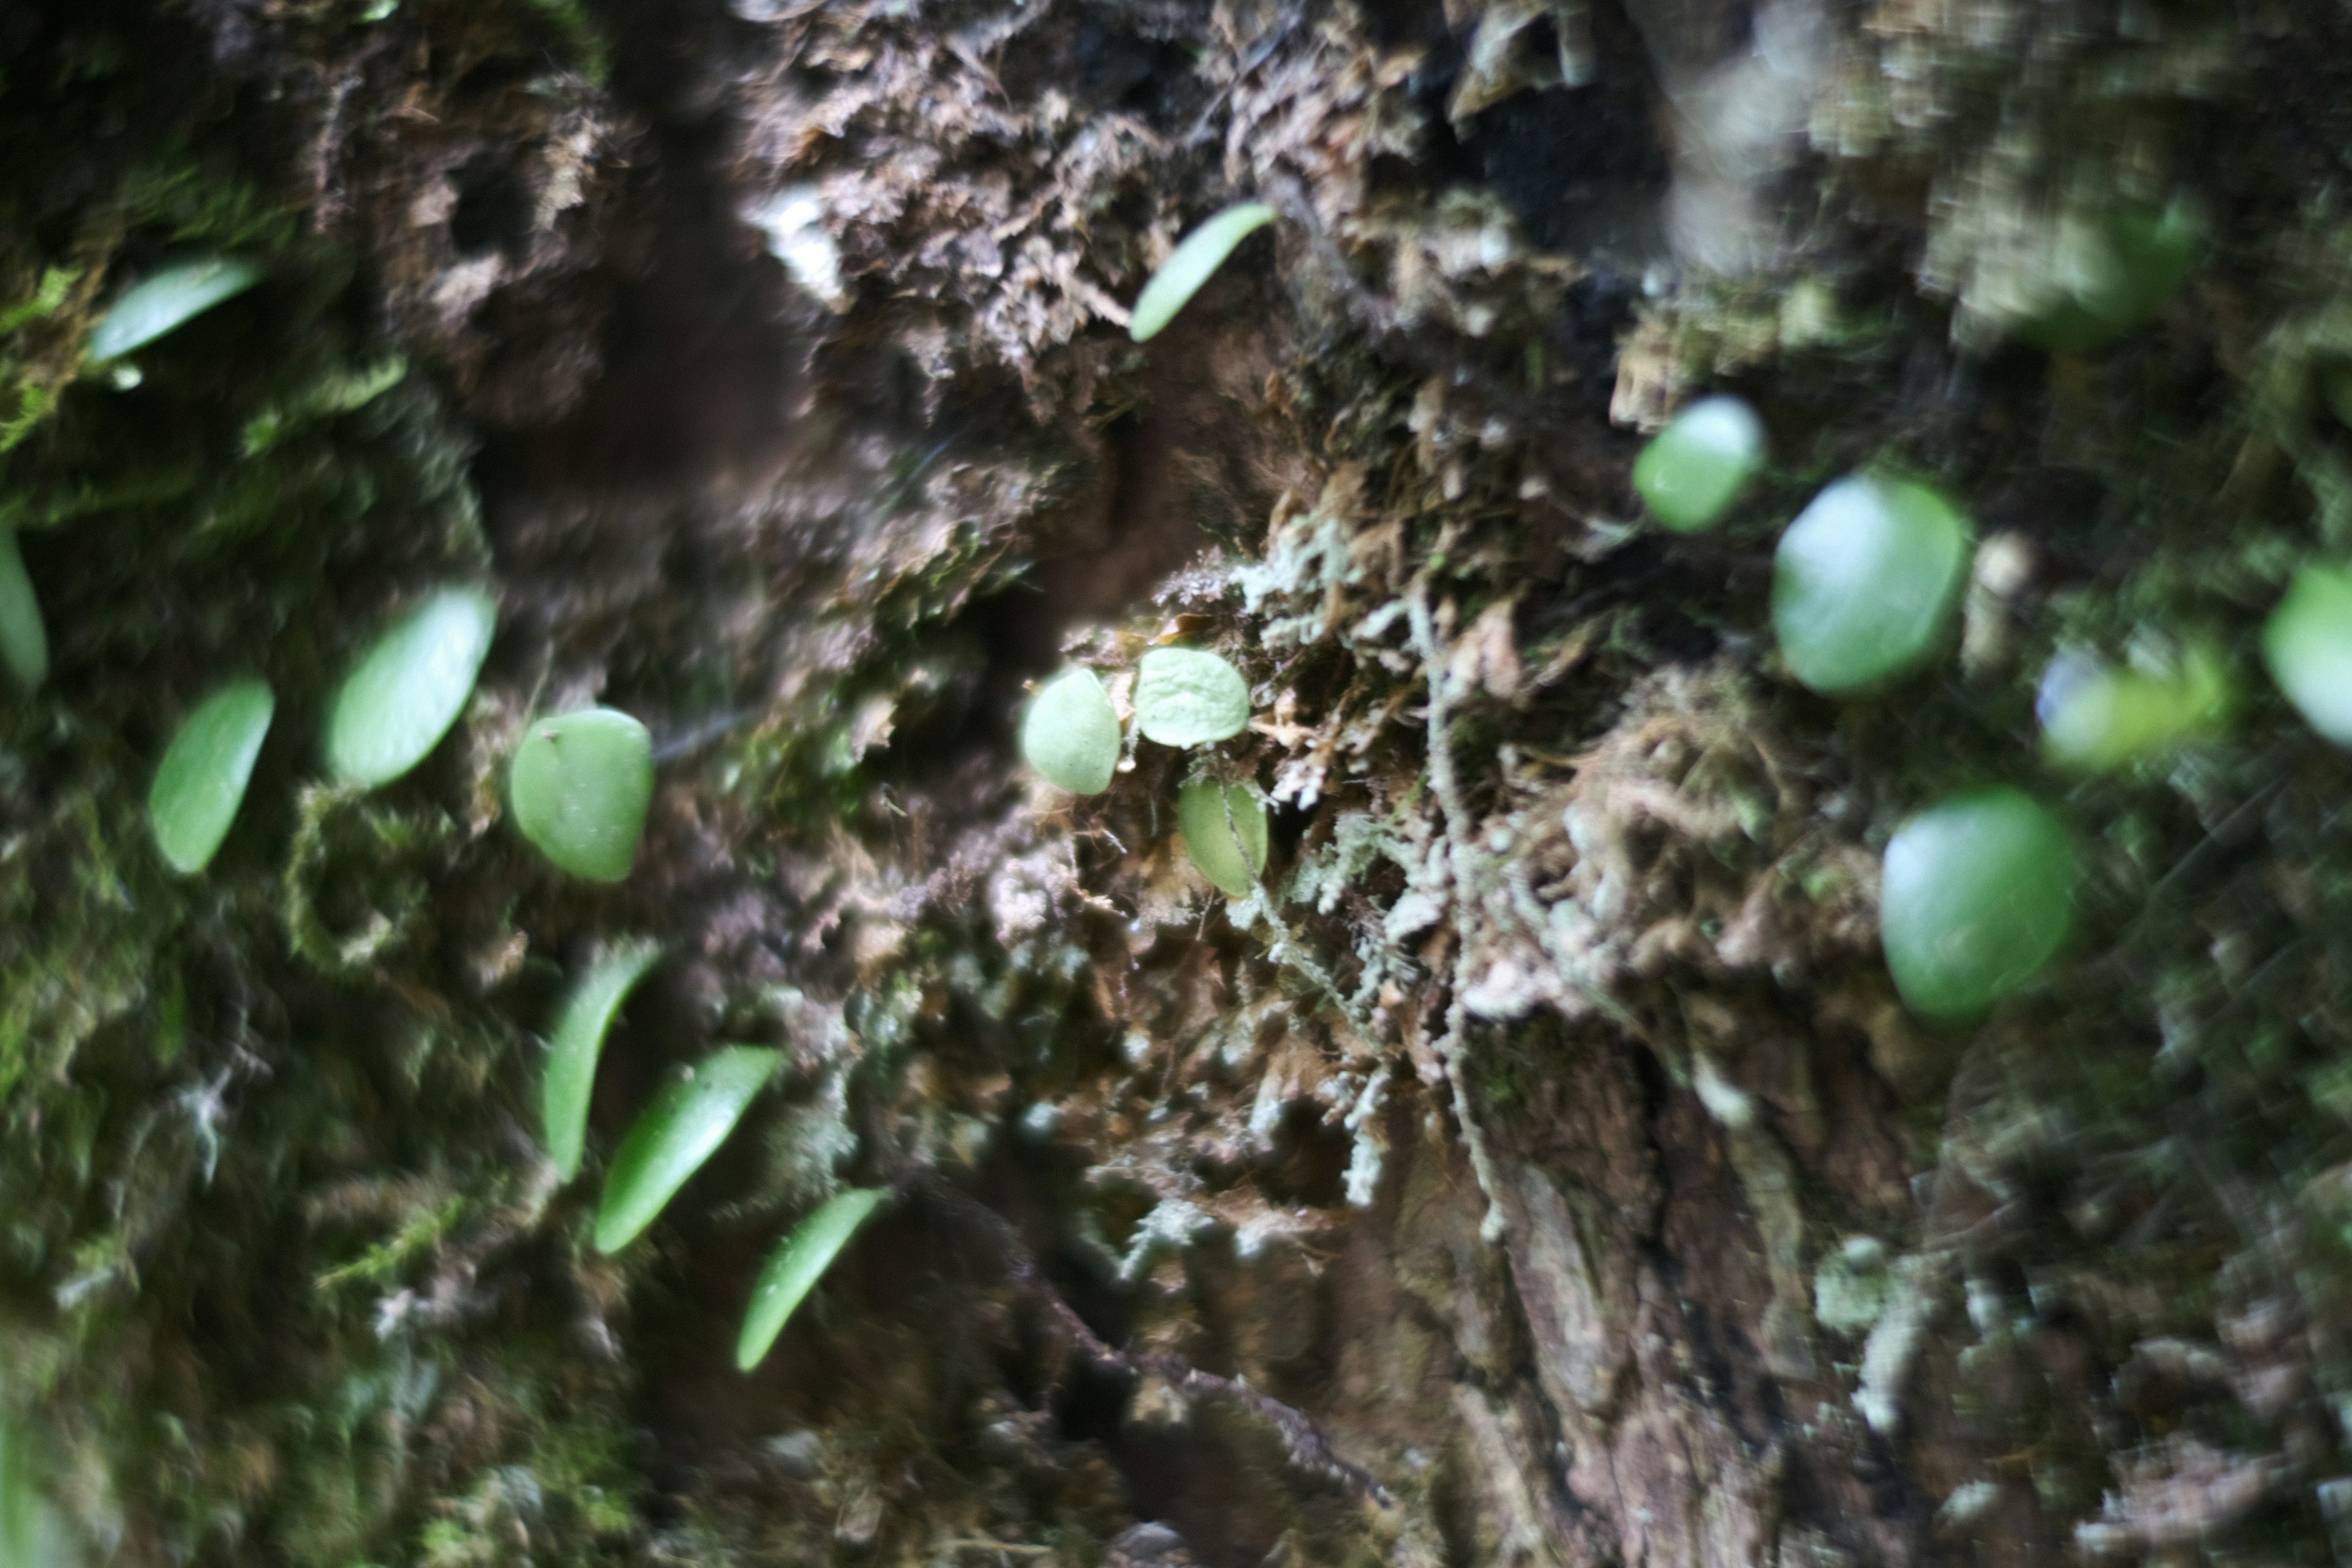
(24, 640)
(201, 781)
(798, 1265)
(409, 687)
(1866, 582)
(1192, 263)
(577, 1044)
(1224, 832)
(581, 785)
(684, 1126)
(1691, 471)
(1071, 732)
(1185, 697)
(155, 305)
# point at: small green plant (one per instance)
(24, 640)
(1071, 733)
(1224, 832)
(156, 304)
(578, 1043)
(1866, 582)
(1192, 263)
(409, 687)
(1185, 696)
(795, 1268)
(2095, 716)
(1978, 895)
(2307, 643)
(683, 1127)
(201, 781)
(2115, 275)
(581, 784)
(1693, 469)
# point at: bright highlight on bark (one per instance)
(796, 1267)
(1866, 582)
(578, 1044)
(409, 687)
(201, 781)
(1071, 733)
(156, 304)
(1978, 895)
(1695, 469)
(580, 785)
(1192, 263)
(2307, 643)
(684, 1126)
(1185, 697)
(24, 639)
(1224, 833)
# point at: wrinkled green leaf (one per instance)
(1866, 581)
(1224, 831)
(1185, 697)
(1192, 263)
(1693, 469)
(24, 640)
(1977, 896)
(684, 1126)
(2307, 643)
(579, 1042)
(155, 305)
(409, 687)
(1071, 733)
(580, 785)
(201, 781)
(798, 1265)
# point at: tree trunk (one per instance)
(1536, 1165)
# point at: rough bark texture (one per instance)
(1540, 1169)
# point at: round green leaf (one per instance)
(1224, 832)
(798, 1265)
(1695, 469)
(155, 305)
(1978, 895)
(1185, 697)
(1192, 263)
(684, 1126)
(1866, 582)
(201, 781)
(1071, 734)
(2309, 646)
(2095, 716)
(409, 687)
(24, 640)
(581, 785)
(577, 1043)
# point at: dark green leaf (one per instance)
(684, 1126)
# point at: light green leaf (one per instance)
(2307, 643)
(798, 1265)
(201, 781)
(1866, 582)
(577, 1044)
(1695, 469)
(409, 687)
(684, 1126)
(32, 1531)
(155, 305)
(2095, 716)
(581, 785)
(1224, 832)
(1185, 697)
(1195, 260)
(24, 640)
(1071, 733)
(1977, 897)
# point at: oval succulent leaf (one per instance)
(201, 782)
(1866, 582)
(409, 687)
(684, 1126)
(155, 305)
(1224, 833)
(797, 1265)
(581, 785)
(24, 640)
(1192, 263)
(578, 1043)
(2095, 716)
(1071, 733)
(1977, 896)
(2307, 643)
(1693, 469)
(1185, 697)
